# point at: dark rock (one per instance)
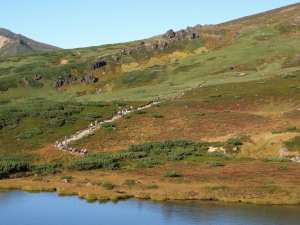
(192, 36)
(154, 45)
(80, 79)
(70, 80)
(58, 83)
(90, 79)
(37, 77)
(96, 65)
(169, 34)
(141, 43)
(229, 69)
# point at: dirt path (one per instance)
(82, 133)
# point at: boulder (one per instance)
(116, 58)
(283, 150)
(296, 158)
(241, 74)
(90, 79)
(69, 80)
(25, 82)
(37, 77)
(229, 69)
(65, 181)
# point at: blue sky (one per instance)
(82, 23)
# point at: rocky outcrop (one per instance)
(96, 65)
(90, 79)
(170, 34)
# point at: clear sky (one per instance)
(82, 23)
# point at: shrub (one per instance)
(171, 173)
(148, 163)
(56, 122)
(50, 168)
(234, 141)
(215, 96)
(276, 159)
(153, 186)
(155, 105)
(140, 112)
(154, 115)
(212, 112)
(226, 111)
(130, 182)
(107, 185)
(291, 128)
(289, 76)
(282, 167)
(108, 125)
(68, 177)
(9, 166)
(237, 97)
(214, 163)
(294, 86)
(126, 116)
(200, 114)
(205, 100)
(119, 103)
(29, 133)
(224, 156)
(276, 131)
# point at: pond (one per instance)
(21, 208)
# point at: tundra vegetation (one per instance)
(229, 100)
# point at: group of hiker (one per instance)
(63, 147)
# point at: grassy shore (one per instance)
(238, 181)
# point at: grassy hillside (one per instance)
(240, 85)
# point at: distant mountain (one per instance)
(12, 44)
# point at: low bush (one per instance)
(140, 112)
(282, 167)
(289, 76)
(276, 159)
(171, 173)
(50, 168)
(119, 103)
(68, 177)
(234, 141)
(148, 163)
(291, 128)
(214, 163)
(212, 112)
(153, 186)
(276, 131)
(9, 166)
(155, 115)
(108, 126)
(130, 182)
(107, 185)
(200, 114)
(29, 133)
(224, 156)
(126, 116)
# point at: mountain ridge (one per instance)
(12, 44)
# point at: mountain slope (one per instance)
(12, 44)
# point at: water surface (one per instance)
(21, 208)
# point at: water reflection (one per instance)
(20, 208)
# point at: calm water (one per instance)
(20, 208)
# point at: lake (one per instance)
(21, 208)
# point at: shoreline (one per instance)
(115, 196)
